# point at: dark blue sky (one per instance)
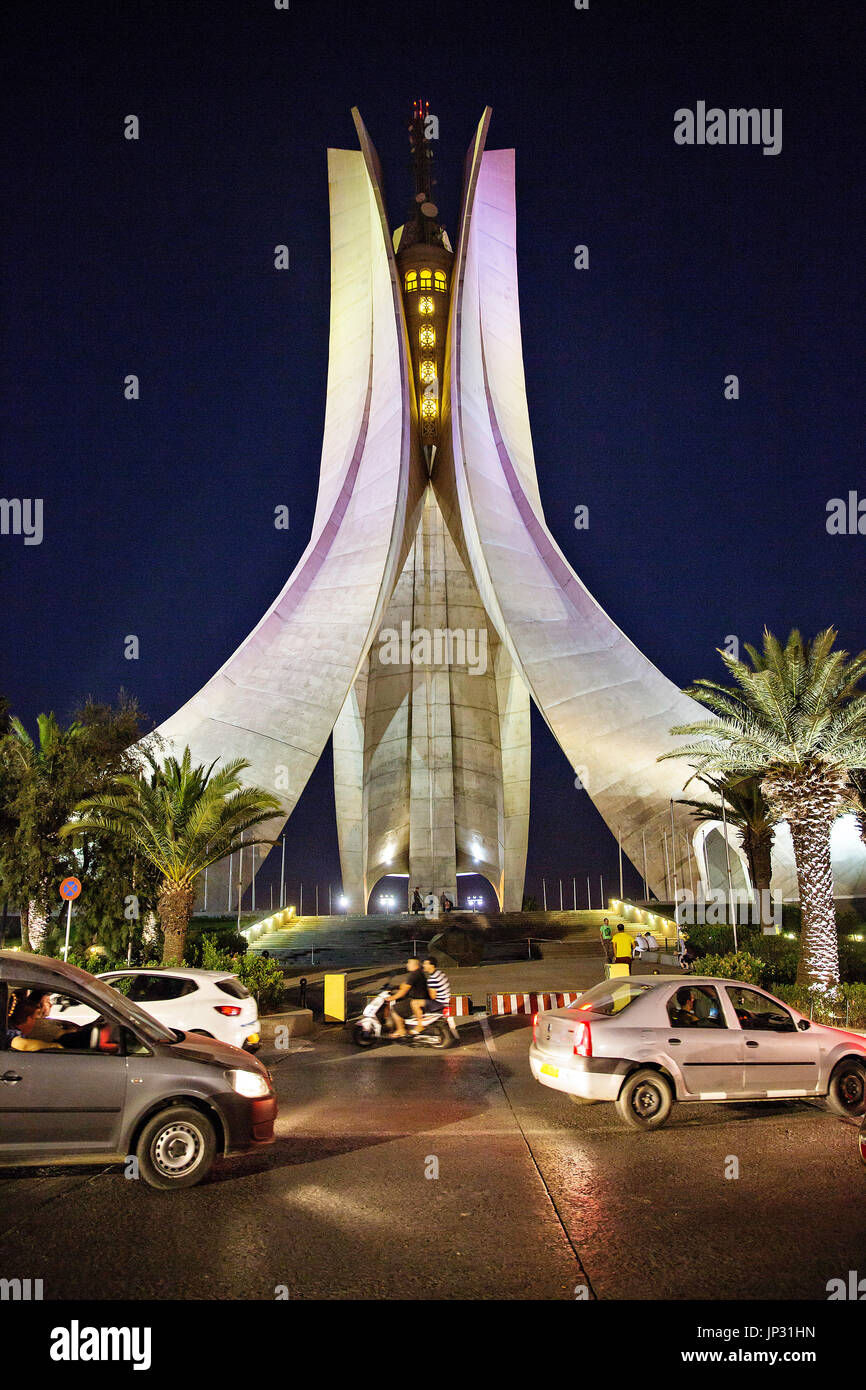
(707, 516)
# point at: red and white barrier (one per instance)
(459, 1006)
(531, 1003)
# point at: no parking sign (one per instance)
(69, 890)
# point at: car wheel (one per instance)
(645, 1100)
(847, 1093)
(176, 1148)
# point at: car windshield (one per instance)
(144, 1022)
(610, 997)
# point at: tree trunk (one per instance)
(762, 872)
(175, 905)
(25, 936)
(37, 925)
(149, 932)
(758, 848)
(819, 942)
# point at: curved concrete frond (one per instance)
(608, 706)
(276, 699)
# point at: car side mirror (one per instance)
(803, 1025)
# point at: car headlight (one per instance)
(249, 1083)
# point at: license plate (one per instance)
(548, 1070)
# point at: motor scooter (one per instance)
(374, 1025)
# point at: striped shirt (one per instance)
(440, 986)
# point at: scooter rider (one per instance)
(410, 997)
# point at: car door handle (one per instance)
(751, 1044)
(674, 1042)
(11, 1078)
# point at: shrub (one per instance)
(263, 978)
(225, 939)
(847, 1010)
(739, 965)
(710, 940)
(852, 959)
(780, 957)
(94, 963)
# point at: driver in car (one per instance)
(24, 1022)
(694, 1008)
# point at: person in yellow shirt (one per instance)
(622, 946)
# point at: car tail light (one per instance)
(582, 1040)
(230, 1010)
(534, 1026)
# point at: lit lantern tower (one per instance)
(424, 259)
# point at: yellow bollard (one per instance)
(335, 998)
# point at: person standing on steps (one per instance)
(606, 936)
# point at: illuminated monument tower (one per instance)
(432, 602)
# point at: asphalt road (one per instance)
(534, 1197)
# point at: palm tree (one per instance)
(41, 779)
(180, 818)
(750, 813)
(797, 718)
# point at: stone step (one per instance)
(585, 949)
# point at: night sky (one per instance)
(155, 257)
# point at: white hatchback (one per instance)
(213, 1003)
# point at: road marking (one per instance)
(489, 1039)
(491, 1048)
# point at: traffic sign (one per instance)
(69, 889)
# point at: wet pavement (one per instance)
(402, 1173)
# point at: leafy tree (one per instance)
(180, 819)
(120, 886)
(750, 813)
(41, 781)
(797, 718)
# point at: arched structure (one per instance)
(429, 532)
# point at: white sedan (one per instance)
(648, 1041)
(213, 1003)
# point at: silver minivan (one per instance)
(121, 1086)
